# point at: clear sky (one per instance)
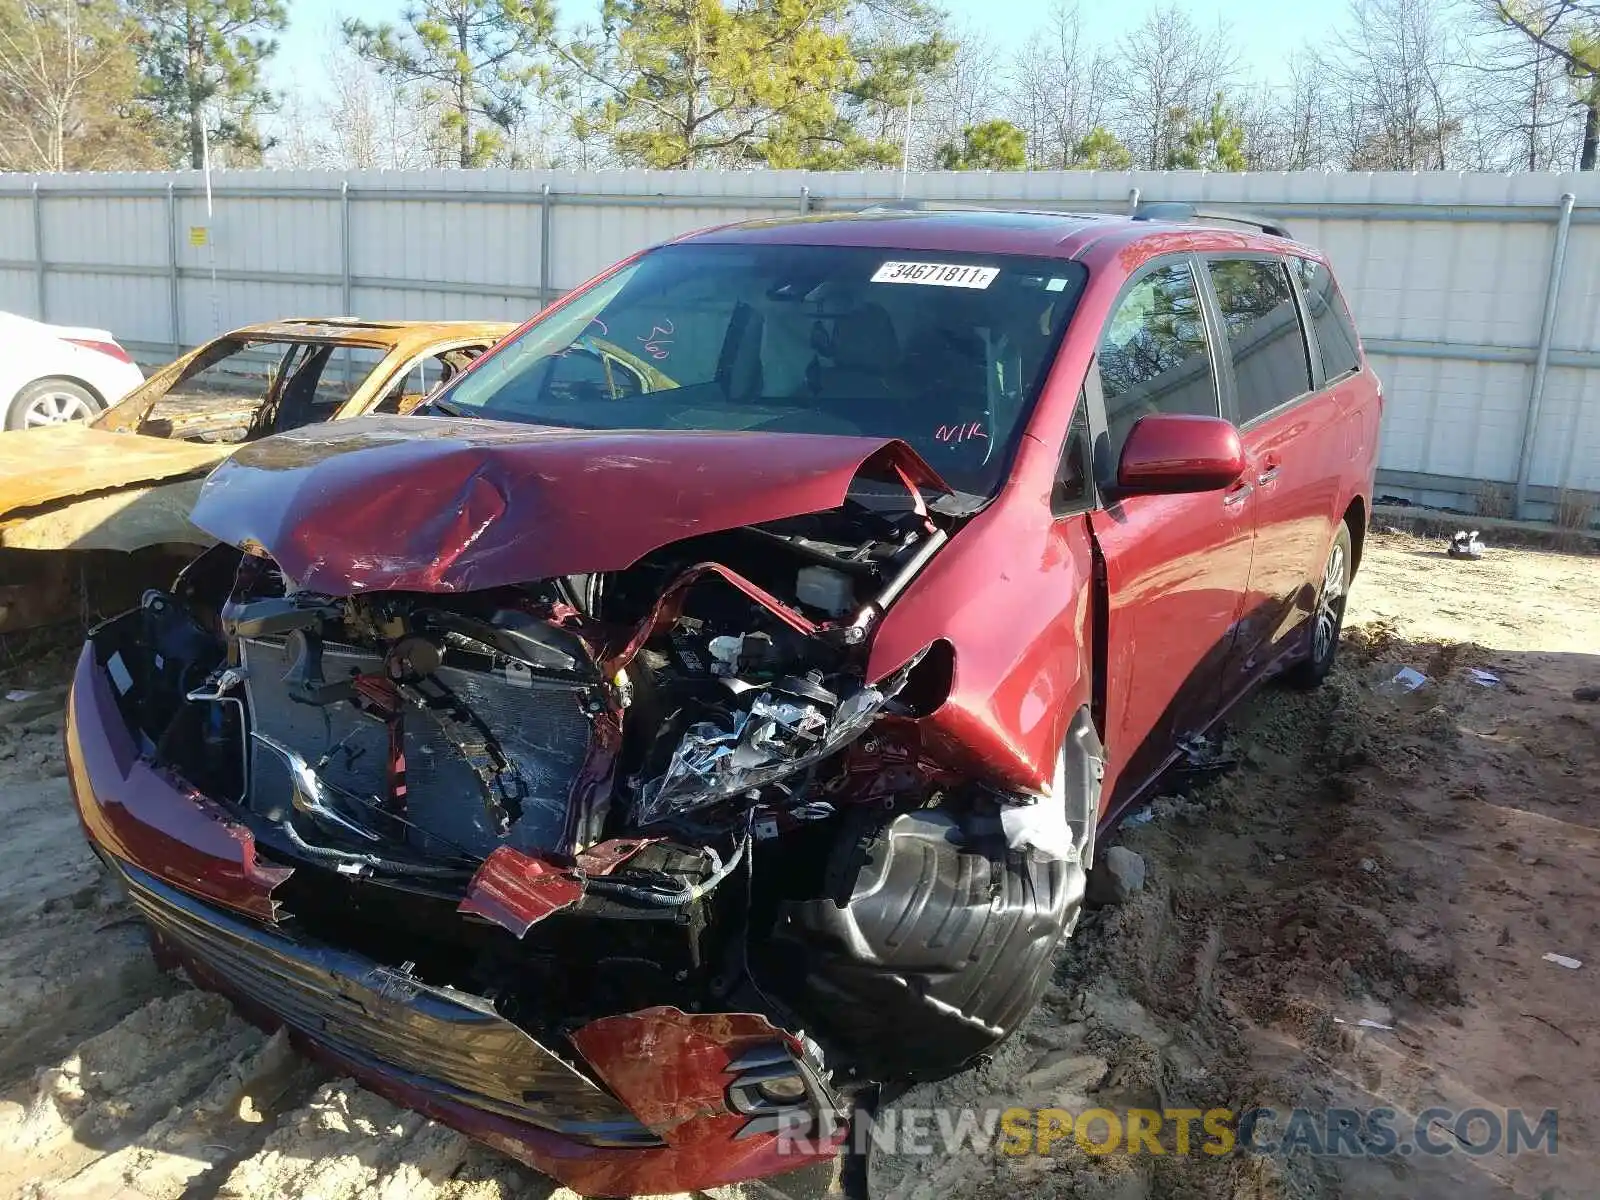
(1266, 31)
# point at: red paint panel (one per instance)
(1297, 464)
(1011, 593)
(433, 505)
(140, 814)
(517, 891)
(1176, 572)
(671, 1068)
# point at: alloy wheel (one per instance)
(1330, 605)
(55, 407)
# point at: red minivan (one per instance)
(703, 711)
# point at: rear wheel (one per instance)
(52, 402)
(1327, 618)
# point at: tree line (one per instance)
(822, 84)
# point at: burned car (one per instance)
(703, 709)
(78, 498)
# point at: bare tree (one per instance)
(1399, 95)
(959, 94)
(1302, 113)
(68, 79)
(365, 121)
(1524, 115)
(1057, 89)
(1256, 110)
(1570, 31)
(1167, 72)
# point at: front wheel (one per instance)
(1327, 618)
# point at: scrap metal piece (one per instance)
(517, 890)
(1466, 544)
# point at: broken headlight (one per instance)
(788, 726)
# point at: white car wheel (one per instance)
(51, 402)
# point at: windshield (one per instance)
(944, 350)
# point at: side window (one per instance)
(1270, 363)
(1336, 332)
(223, 394)
(588, 373)
(1152, 355)
(346, 371)
(1072, 491)
(408, 390)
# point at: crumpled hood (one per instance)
(434, 505)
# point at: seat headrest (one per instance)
(865, 340)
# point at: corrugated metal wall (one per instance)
(1447, 273)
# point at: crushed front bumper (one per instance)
(653, 1101)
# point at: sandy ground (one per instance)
(1407, 860)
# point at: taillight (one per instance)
(110, 348)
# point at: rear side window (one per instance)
(1336, 332)
(1271, 365)
(1152, 354)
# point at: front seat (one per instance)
(864, 354)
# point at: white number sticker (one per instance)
(935, 274)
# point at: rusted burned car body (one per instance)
(631, 795)
(158, 435)
(124, 483)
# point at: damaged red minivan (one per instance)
(704, 710)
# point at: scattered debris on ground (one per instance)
(1353, 899)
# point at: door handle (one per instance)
(1267, 476)
(1238, 495)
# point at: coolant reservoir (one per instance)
(825, 588)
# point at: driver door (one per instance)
(1176, 567)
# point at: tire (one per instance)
(1327, 615)
(52, 402)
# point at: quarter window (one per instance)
(1072, 491)
(1152, 355)
(1336, 332)
(1271, 365)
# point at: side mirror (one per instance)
(1167, 453)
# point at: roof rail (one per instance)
(1022, 207)
(894, 206)
(1181, 212)
(921, 206)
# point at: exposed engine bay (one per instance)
(589, 794)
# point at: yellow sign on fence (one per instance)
(198, 235)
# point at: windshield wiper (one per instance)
(444, 406)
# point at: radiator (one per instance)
(539, 725)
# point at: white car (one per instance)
(55, 373)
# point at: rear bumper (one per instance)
(647, 1111)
